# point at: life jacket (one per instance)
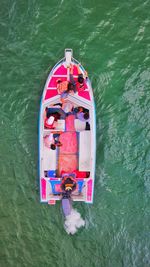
(62, 86)
(47, 125)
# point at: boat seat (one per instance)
(79, 125)
(50, 173)
(85, 151)
(56, 186)
(49, 159)
(60, 125)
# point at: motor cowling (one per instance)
(66, 204)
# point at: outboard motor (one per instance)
(68, 185)
(66, 203)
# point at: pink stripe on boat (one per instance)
(89, 190)
(61, 70)
(84, 94)
(43, 188)
(58, 188)
(70, 123)
(53, 81)
(75, 70)
(50, 93)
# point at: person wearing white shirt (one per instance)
(51, 141)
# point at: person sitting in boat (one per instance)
(51, 122)
(56, 111)
(67, 87)
(72, 82)
(69, 183)
(51, 141)
(62, 86)
(83, 115)
(67, 107)
(64, 95)
(71, 89)
(81, 82)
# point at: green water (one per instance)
(112, 40)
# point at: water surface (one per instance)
(112, 40)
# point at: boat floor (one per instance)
(68, 152)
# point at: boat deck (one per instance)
(76, 153)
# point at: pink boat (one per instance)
(67, 134)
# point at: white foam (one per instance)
(73, 222)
